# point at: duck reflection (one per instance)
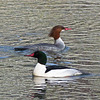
(41, 84)
(44, 80)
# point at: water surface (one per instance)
(29, 22)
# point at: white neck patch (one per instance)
(60, 43)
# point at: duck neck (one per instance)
(60, 43)
(42, 59)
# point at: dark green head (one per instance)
(41, 56)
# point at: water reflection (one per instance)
(40, 93)
(44, 80)
(41, 85)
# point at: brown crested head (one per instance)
(55, 31)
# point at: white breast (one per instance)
(39, 70)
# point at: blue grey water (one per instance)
(29, 22)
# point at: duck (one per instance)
(52, 71)
(58, 45)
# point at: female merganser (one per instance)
(51, 71)
(56, 47)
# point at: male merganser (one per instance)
(51, 71)
(58, 45)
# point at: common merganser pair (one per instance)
(50, 71)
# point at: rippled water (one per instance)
(29, 22)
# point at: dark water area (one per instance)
(28, 22)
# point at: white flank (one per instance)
(40, 69)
